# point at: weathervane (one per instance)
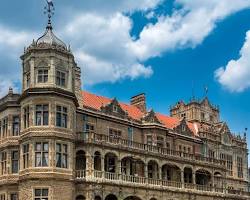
(49, 9)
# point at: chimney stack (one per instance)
(140, 102)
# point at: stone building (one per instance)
(58, 142)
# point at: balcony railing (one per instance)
(104, 139)
(123, 179)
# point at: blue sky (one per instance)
(161, 47)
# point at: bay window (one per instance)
(61, 116)
(61, 155)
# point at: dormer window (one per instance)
(42, 76)
(60, 79)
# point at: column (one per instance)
(182, 178)
(193, 178)
(89, 165)
(118, 169)
(212, 180)
(103, 166)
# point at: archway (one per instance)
(110, 163)
(80, 197)
(111, 197)
(202, 177)
(153, 170)
(97, 161)
(188, 175)
(98, 198)
(132, 198)
(171, 173)
(80, 160)
(133, 167)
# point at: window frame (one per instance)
(25, 155)
(63, 154)
(62, 116)
(60, 80)
(14, 128)
(26, 116)
(14, 160)
(44, 154)
(44, 76)
(41, 196)
(43, 113)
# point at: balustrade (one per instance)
(100, 139)
(122, 178)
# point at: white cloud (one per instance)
(101, 45)
(187, 27)
(99, 32)
(236, 75)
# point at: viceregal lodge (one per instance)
(58, 142)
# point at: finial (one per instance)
(206, 90)
(49, 9)
(10, 90)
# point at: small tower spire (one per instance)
(49, 9)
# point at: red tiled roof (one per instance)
(96, 102)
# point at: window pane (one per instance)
(38, 192)
(38, 160)
(45, 147)
(45, 159)
(45, 192)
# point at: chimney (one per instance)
(140, 102)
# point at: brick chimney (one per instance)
(139, 101)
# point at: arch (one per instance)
(80, 160)
(98, 198)
(217, 174)
(97, 161)
(133, 198)
(111, 197)
(132, 166)
(188, 175)
(153, 169)
(80, 197)
(202, 177)
(171, 172)
(110, 161)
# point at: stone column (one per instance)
(103, 166)
(89, 165)
(193, 178)
(182, 178)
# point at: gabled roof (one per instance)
(96, 102)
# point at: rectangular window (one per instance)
(60, 78)
(228, 161)
(16, 126)
(5, 126)
(42, 76)
(61, 116)
(116, 134)
(13, 196)
(240, 167)
(89, 127)
(41, 194)
(26, 116)
(3, 163)
(42, 154)
(25, 156)
(14, 162)
(42, 115)
(61, 155)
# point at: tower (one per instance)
(49, 99)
